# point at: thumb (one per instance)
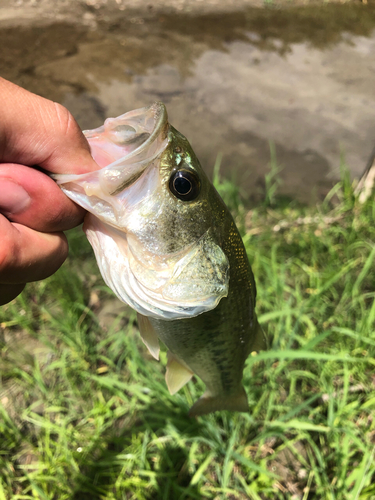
(37, 131)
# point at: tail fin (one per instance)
(208, 404)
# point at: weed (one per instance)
(85, 413)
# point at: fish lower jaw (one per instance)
(210, 403)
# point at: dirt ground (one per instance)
(236, 76)
(18, 11)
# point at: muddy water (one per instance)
(303, 78)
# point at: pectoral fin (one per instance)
(208, 403)
(177, 375)
(148, 335)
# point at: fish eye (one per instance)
(185, 185)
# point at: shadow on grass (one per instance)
(162, 475)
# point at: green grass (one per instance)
(85, 413)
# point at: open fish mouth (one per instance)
(124, 147)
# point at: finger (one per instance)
(36, 131)
(33, 199)
(9, 292)
(27, 255)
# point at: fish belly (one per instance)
(214, 346)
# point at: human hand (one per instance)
(34, 212)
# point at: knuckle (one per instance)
(66, 121)
(10, 292)
(21, 262)
(60, 252)
(8, 256)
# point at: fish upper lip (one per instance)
(161, 122)
(160, 130)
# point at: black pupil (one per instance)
(182, 185)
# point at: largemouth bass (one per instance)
(167, 245)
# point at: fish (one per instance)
(167, 245)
